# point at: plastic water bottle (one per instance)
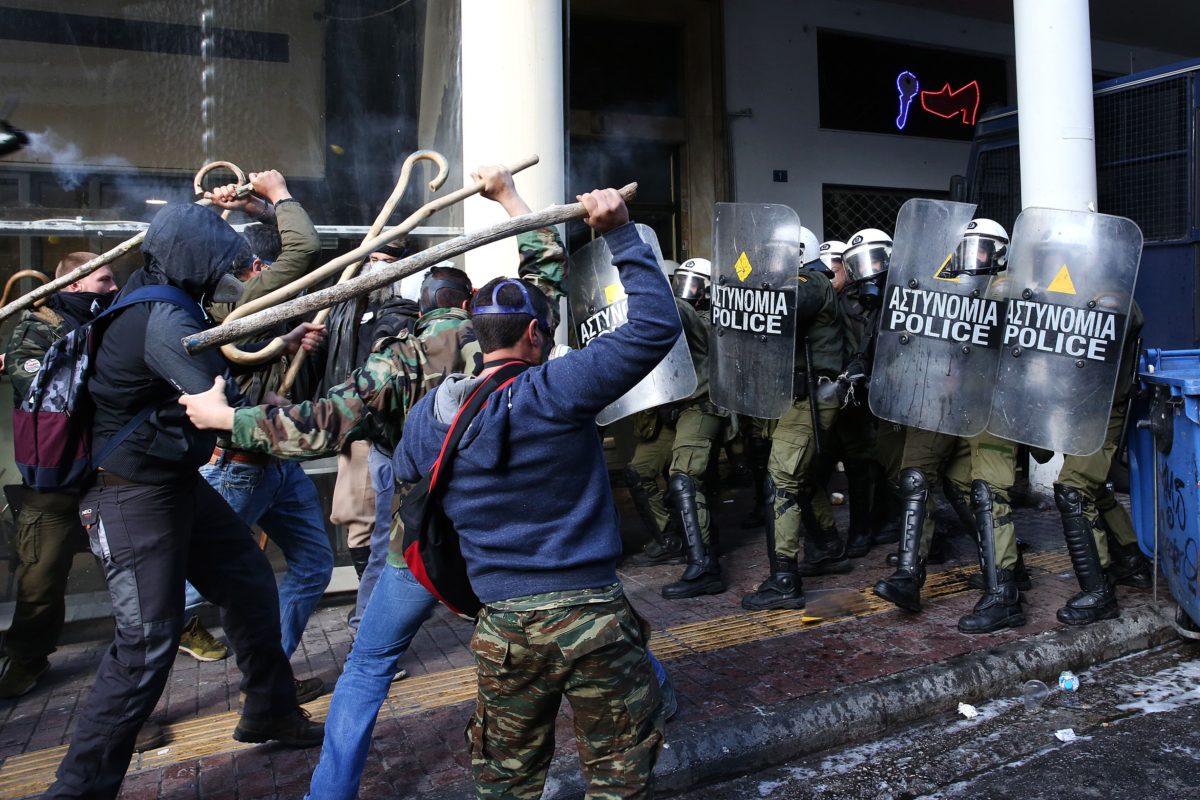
(1034, 693)
(1068, 681)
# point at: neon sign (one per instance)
(946, 103)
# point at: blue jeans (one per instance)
(397, 609)
(283, 501)
(384, 484)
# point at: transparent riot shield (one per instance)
(938, 339)
(752, 347)
(599, 305)
(1070, 286)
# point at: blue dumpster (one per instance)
(1164, 450)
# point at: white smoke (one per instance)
(67, 159)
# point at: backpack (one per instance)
(52, 428)
(431, 547)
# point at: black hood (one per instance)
(191, 247)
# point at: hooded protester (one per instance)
(154, 522)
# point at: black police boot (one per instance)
(1096, 599)
(1000, 605)
(783, 589)
(359, 556)
(903, 587)
(861, 489)
(824, 554)
(703, 572)
(665, 546)
(1127, 566)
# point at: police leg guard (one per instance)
(782, 588)
(703, 572)
(1000, 605)
(861, 486)
(1096, 599)
(359, 556)
(665, 546)
(903, 587)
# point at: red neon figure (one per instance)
(948, 103)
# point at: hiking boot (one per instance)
(293, 729)
(18, 678)
(151, 737)
(309, 689)
(201, 645)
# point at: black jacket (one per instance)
(141, 361)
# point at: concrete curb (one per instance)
(706, 752)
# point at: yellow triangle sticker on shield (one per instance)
(613, 292)
(742, 267)
(938, 273)
(1062, 282)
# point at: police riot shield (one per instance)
(938, 338)
(1070, 287)
(599, 305)
(752, 345)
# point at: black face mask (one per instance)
(81, 307)
(870, 294)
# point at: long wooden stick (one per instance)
(262, 320)
(83, 270)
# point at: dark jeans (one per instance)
(150, 539)
(48, 536)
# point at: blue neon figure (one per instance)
(907, 85)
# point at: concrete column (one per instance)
(512, 106)
(1057, 126)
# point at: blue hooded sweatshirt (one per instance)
(529, 492)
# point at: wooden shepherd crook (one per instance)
(267, 318)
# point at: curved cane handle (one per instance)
(198, 185)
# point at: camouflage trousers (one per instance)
(527, 661)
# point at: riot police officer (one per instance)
(984, 465)
(791, 486)
(682, 433)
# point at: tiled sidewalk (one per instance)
(723, 661)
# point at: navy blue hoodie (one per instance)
(529, 491)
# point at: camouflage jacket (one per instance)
(373, 402)
(37, 329)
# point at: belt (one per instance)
(106, 478)
(239, 457)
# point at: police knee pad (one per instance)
(1068, 499)
(981, 495)
(682, 484)
(912, 483)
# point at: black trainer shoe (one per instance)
(309, 689)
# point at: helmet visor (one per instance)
(687, 285)
(977, 255)
(869, 262)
